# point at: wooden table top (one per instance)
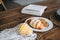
(15, 18)
(52, 34)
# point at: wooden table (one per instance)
(54, 33)
(14, 17)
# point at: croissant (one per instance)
(36, 24)
(44, 22)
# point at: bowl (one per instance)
(57, 15)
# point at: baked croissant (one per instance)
(38, 23)
(44, 22)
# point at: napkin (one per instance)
(12, 34)
(34, 9)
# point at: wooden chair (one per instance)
(1, 2)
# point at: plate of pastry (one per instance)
(39, 24)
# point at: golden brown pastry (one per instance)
(37, 24)
(44, 22)
(24, 29)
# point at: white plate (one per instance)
(46, 28)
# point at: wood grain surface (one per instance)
(13, 17)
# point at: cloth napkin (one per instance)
(12, 34)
